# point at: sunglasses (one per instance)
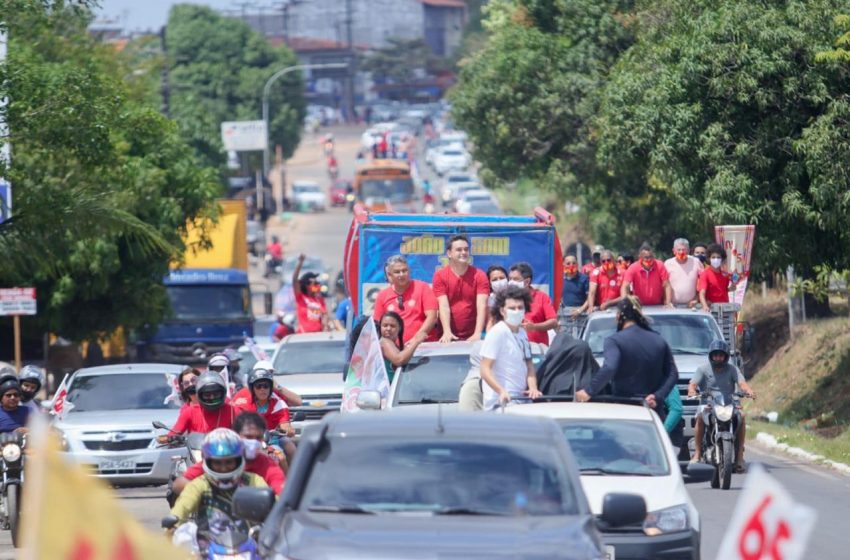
(217, 368)
(607, 260)
(400, 301)
(263, 386)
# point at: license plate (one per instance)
(609, 552)
(122, 465)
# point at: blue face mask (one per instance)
(252, 447)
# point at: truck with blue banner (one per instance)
(422, 239)
(210, 295)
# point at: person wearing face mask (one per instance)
(624, 261)
(605, 284)
(540, 316)
(721, 376)
(462, 291)
(506, 367)
(310, 305)
(700, 252)
(684, 271)
(412, 300)
(648, 280)
(395, 352)
(498, 278)
(638, 362)
(576, 287)
(595, 261)
(714, 282)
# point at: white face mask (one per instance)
(252, 447)
(514, 317)
(517, 283)
(716, 262)
(496, 285)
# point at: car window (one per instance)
(120, 392)
(452, 153)
(323, 356)
(434, 378)
(684, 333)
(616, 447)
(499, 478)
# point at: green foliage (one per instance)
(103, 184)
(218, 67)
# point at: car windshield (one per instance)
(393, 189)
(326, 356)
(483, 208)
(432, 379)
(209, 302)
(686, 334)
(120, 392)
(616, 447)
(439, 476)
(303, 189)
(452, 153)
(460, 179)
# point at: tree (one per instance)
(218, 67)
(104, 186)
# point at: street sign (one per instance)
(767, 523)
(244, 136)
(17, 301)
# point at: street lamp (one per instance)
(267, 88)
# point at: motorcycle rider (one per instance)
(274, 250)
(31, 380)
(13, 416)
(213, 411)
(721, 376)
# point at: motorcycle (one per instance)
(225, 537)
(720, 435)
(12, 445)
(191, 446)
(272, 265)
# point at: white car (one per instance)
(477, 201)
(451, 159)
(308, 195)
(624, 448)
(450, 181)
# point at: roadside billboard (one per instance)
(243, 136)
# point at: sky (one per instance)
(145, 15)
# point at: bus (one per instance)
(385, 185)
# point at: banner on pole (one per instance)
(367, 370)
(17, 301)
(738, 243)
(243, 136)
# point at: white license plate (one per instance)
(122, 465)
(609, 552)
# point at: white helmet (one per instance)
(223, 443)
(264, 364)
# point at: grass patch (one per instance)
(835, 448)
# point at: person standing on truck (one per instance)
(638, 362)
(462, 292)
(595, 261)
(413, 300)
(576, 287)
(624, 261)
(648, 280)
(606, 283)
(684, 271)
(541, 316)
(714, 282)
(309, 304)
(700, 251)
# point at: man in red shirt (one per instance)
(714, 282)
(595, 261)
(541, 315)
(606, 282)
(413, 300)
(462, 292)
(310, 305)
(648, 280)
(213, 411)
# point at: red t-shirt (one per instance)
(462, 292)
(607, 286)
(262, 465)
(716, 285)
(648, 285)
(276, 413)
(541, 310)
(195, 418)
(418, 298)
(310, 310)
(587, 268)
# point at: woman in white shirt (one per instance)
(506, 367)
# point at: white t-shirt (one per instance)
(509, 353)
(683, 278)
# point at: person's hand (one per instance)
(650, 400)
(162, 439)
(582, 396)
(751, 394)
(448, 337)
(474, 338)
(577, 311)
(288, 429)
(533, 394)
(528, 325)
(669, 305)
(706, 308)
(301, 257)
(504, 397)
(692, 304)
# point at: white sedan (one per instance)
(477, 201)
(451, 159)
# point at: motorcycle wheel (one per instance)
(727, 457)
(13, 507)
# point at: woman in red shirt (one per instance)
(310, 305)
(714, 283)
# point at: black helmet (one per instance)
(211, 390)
(234, 357)
(259, 374)
(719, 346)
(7, 383)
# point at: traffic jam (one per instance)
(464, 387)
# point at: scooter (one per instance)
(12, 445)
(191, 446)
(225, 537)
(720, 435)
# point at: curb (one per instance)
(770, 442)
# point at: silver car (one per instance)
(311, 365)
(107, 422)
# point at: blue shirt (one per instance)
(342, 310)
(10, 421)
(575, 290)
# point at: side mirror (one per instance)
(159, 425)
(697, 472)
(620, 509)
(298, 416)
(169, 521)
(369, 400)
(253, 504)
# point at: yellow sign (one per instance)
(423, 245)
(491, 245)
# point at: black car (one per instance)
(433, 484)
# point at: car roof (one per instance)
(305, 183)
(583, 411)
(651, 310)
(461, 347)
(314, 337)
(425, 421)
(118, 369)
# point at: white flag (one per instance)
(366, 370)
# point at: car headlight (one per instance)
(11, 452)
(668, 520)
(724, 413)
(63, 439)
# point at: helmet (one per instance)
(33, 375)
(258, 374)
(218, 361)
(7, 383)
(719, 346)
(223, 443)
(211, 390)
(264, 364)
(234, 357)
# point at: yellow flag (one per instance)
(69, 515)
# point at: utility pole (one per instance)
(164, 84)
(352, 61)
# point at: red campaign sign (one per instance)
(17, 301)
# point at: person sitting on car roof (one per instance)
(412, 300)
(395, 352)
(541, 317)
(462, 291)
